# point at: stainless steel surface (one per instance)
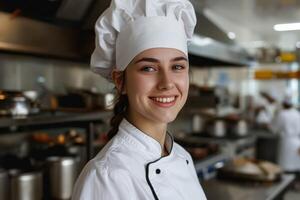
(217, 52)
(62, 175)
(4, 184)
(216, 128)
(80, 152)
(208, 167)
(37, 37)
(225, 190)
(27, 186)
(73, 9)
(31, 95)
(238, 128)
(71, 43)
(232, 147)
(58, 118)
(26, 72)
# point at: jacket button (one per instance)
(187, 162)
(157, 171)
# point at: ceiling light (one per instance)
(287, 27)
(231, 35)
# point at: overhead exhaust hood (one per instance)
(212, 46)
(74, 40)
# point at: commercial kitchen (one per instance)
(55, 112)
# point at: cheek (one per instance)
(183, 84)
(138, 85)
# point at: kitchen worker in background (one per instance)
(141, 45)
(266, 109)
(287, 125)
(271, 103)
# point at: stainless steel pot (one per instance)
(241, 128)
(26, 185)
(62, 173)
(238, 128)
(216, 128)
(4, 184)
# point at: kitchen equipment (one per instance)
(26, 185)
(198, 150)
(238, 128)
(241, 128)
(250, 170)
(4, 184)
(33, 96)
(16, 104)
(217, 128)
(197, 123)
(61, 174)
(79, 151)
(105, 101)
(84, 99)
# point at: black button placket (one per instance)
(148, 172)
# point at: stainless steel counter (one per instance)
(243, 146)
(229, 190)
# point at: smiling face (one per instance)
(156, 83)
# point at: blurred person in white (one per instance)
(141, 45)
(287, 124)
(267, 107)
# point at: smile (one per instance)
(164, 102)
(164, 99)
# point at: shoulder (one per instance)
(181, 152)
(99, 180)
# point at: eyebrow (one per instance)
(154, 60)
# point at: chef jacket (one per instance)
(130, 167)
(287, 125)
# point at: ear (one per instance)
(118, 78)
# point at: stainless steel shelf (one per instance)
(55, 118)
(52, 120)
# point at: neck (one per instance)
(154, 129)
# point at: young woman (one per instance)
(141, 161)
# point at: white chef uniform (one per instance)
(287, 125)
(131, 167)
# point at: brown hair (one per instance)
(120, 109)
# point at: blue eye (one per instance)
(148, 69)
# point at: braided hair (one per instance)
(120, 109)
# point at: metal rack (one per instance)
(50, 120)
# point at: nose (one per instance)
(166, 81)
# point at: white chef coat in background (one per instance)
(287, 125)
(130, 167)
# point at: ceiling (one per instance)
(252, 20)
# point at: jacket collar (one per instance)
(141, 140)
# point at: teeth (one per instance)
(164, 100)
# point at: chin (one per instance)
(166, 118)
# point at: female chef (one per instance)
(142, 46)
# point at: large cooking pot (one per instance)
(61, 174)
(4, 184)
(216, 128)
(237, 128)
(26, 185)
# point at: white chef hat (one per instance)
(128, 27)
